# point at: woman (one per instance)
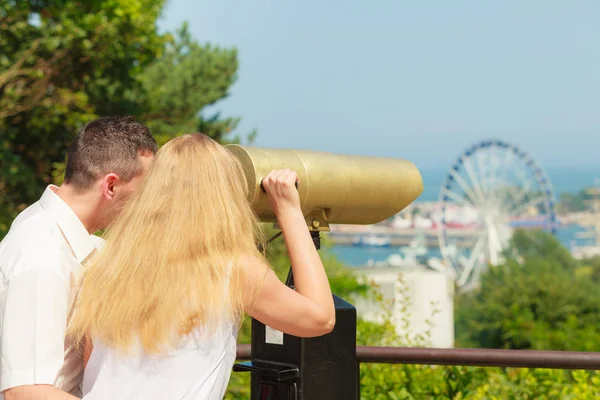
(164, 299)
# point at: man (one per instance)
(41, 257)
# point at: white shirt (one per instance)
(199, 369)
(40, 259)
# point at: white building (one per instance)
(420, 294)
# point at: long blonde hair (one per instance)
(173, 260)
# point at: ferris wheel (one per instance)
(493, 188)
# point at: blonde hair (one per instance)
(173, 260)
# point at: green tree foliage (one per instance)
(415, 382)
(393, 382)
(590, 269)
(381, 381)
(189, 77)
(63, 63)
(527, 245)
(539, 299)
(574, 202)
(536, 300)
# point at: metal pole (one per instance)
(471, 357)
(316, 238)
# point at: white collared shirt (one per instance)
(40, 260)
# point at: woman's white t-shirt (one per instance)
(198, 369)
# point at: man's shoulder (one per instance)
(31, 226)
(34, 237)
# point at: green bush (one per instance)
(542, 299)
(380, 381)
(405, 381)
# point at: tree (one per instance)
(590, 269)
(393, 382)
(575, 202)
(186, 79)
(63, 63)
(535, 300)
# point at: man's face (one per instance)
(125, 190)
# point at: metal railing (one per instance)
(469, 357)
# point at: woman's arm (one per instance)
(309, 310)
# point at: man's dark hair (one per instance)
(105, 145)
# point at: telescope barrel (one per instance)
(333, 188)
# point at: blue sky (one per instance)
(420, 80)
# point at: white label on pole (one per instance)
(273, 336)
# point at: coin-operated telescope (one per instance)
(333, 189)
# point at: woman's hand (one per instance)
(280, 185)
(308, 309)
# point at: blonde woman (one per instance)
(163, 300)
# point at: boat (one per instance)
(372, 241)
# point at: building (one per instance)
(419, 300)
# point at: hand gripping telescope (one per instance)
(334, 188)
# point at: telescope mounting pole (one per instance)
(316, 238)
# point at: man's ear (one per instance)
(109, 183)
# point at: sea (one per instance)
(563, 180)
